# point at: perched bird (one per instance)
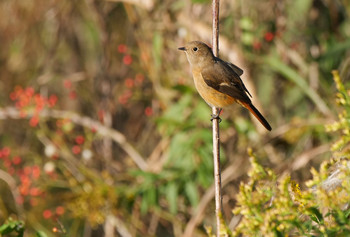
(218, 82)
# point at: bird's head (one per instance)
(197, 53)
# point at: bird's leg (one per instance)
(216, 116)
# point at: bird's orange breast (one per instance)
(209, 94)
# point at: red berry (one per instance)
(27, 170)
(269, 36)
(76, 149)
(13, 96)
(23, 190)
(29, 91)
(127, 59)
(122, 48)
(148, 111)
(34, 121)
(36, 171)
(47, 214)
(257, 45)
(52, 100)
(16, 160)
(60, 210)
(35, 191)
(129, 82)
(6, 151)
(20, 200)
(73, 95)
(67, 84)
(123, 100)
(79, 139)
(139, 78)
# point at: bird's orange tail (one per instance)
(257, 114)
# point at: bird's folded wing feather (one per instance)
(230, 68)
(236, 69)
(225, 81)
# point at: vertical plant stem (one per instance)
(216, 135)
(215, 38)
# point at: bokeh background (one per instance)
(103, 134)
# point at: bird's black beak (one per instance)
(182, 48)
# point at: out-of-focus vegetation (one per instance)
(102, 133)
(271, 206)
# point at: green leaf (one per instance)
(184, 89)
(296, 223)
(200, 1)
(339, 217)
(171, 196)
(174, 117)
(247, 38)
(336, 49)
(192, 193)
(181, 152)
(12, 226)
(152, 196)
(201, 112)
(149, 199)
(204, 178)
(315, 215)
(246, 23)
(157, 49)
(41, 234)
(347, 213)
(297, 13)
(5, 229)
(144, 205)
(280, 67)
(278, 233)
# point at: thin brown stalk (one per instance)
(216, 134)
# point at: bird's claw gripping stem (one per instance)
(216, 116)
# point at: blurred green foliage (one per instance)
(276, 206)
(12, 226)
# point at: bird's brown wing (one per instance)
(223, 79)
(232, 69)
(235, 68)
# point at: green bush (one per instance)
(276, 206)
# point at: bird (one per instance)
(218, 82)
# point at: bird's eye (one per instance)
(195, 49)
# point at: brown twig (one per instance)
(304, 158)
(147, 4)
(13, 113)
(216, 134)
(11, 182)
